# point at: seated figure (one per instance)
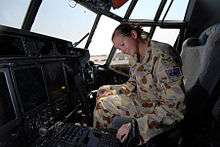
(153, 95)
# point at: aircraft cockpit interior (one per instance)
(54, 56)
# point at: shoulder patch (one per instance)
(174, 73)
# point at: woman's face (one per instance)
(126, 44)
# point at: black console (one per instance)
(45, 81)
(69, 135)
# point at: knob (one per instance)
(43, 131)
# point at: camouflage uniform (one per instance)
(153, 94)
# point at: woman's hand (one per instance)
(104, 92)
(125, 90)
(123, 132)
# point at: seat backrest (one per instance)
(201, 57)
(201, 69)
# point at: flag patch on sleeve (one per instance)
(174, 73)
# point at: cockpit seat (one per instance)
(201, 69)
(201, 57)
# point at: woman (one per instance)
(153, 95)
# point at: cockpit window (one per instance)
(63, 19)
(145, 9)
(101, 44)
(177, 10)
(166, 35)
(13, 12)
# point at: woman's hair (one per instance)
(125, 29)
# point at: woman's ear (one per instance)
(134, 34)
